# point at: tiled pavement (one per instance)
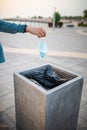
(60, 40)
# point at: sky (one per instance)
(45, 8)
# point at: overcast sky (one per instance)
(45, 8)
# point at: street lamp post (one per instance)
(54, 18)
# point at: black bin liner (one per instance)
(46, 76)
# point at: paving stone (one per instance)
(3, 90)
(6, 87)
(11, 113)
(84, 64)
(85, 76)
(5, 79)
(14, 128)
(6, 120)
(2, 72)
(78, 69)
(4, 127)
(85, 85)
(84, 94)
(6, 101)
(83, 103)
(83, 113)
(10, 86)
(82, 124)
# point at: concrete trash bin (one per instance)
(39, 108)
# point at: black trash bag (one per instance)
(45, 76)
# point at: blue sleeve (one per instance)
(2, 58)
(11, 27)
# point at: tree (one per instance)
(57, 18)
(85, 13)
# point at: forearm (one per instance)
(11, 27)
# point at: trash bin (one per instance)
(47, 98)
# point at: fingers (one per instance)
(41, 32)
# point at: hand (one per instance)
(40, 32)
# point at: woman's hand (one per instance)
(40, 32)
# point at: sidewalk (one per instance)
(82, 31)
(66, 49)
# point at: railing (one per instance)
(37, 20)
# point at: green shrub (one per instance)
(60, 24)
(82, 24)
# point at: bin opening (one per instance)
(47, 76)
